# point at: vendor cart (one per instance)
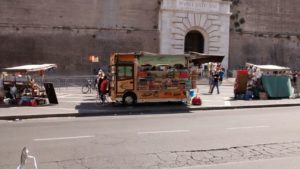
(240, 85)
(20, 86)
(268, 81)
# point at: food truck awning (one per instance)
(200, 58)
(31, 68)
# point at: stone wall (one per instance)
(66, 32)
(265, 32)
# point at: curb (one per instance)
(94, 112)
(247, 107)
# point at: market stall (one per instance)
(268, 81)
(19, 86)
(241, 80)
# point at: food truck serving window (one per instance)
(125, 72)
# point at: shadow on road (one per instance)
(98, 109)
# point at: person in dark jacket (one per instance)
(215, 82)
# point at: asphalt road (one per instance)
(243, 138)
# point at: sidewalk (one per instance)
(74, 104)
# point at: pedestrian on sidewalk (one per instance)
(2, 92)
(215, 82)
(221, 75)
(103, 89)
(100, 78)
(210, 81)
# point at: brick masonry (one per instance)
(66, 32)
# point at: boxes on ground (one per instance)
(192, 92)
(263, 96)
(248, 95)
(29, 103)
(196, 100)
(41, 101)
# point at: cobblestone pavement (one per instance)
(175, 159)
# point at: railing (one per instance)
(63, 82)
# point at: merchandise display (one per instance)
(20, 88)
(263, 82)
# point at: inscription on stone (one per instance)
(203, 6)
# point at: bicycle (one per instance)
(88, 87)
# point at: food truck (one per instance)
(148, 77)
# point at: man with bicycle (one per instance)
(103, 89)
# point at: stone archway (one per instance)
(178, 18)
(194, 41)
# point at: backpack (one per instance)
(196, 100)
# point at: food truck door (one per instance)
(125, 78)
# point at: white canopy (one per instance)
(31, 68)
(269, 67)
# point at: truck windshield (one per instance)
(124, 72)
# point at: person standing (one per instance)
(103, 89)
(99, 81)
(221, 75)
(294, 82)
(215, 81)
(2, 93)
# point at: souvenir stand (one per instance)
(268, 81)
(21, 89)
(240, 86)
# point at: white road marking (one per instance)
(227, 103)
(63, 95)
(208, 100)
(73, 97)
(247, 127)
(227, 98)
(158, 132)
(57, 108)
(62, 138)
(75, 94)
(79, 101)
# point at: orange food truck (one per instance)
(148, 77)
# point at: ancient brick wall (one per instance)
(66, 32)
(265, 32)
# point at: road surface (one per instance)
(243, 138)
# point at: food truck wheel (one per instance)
(129, 99)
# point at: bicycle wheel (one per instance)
(85, 89)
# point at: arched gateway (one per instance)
(194, 41)
(201, 25)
